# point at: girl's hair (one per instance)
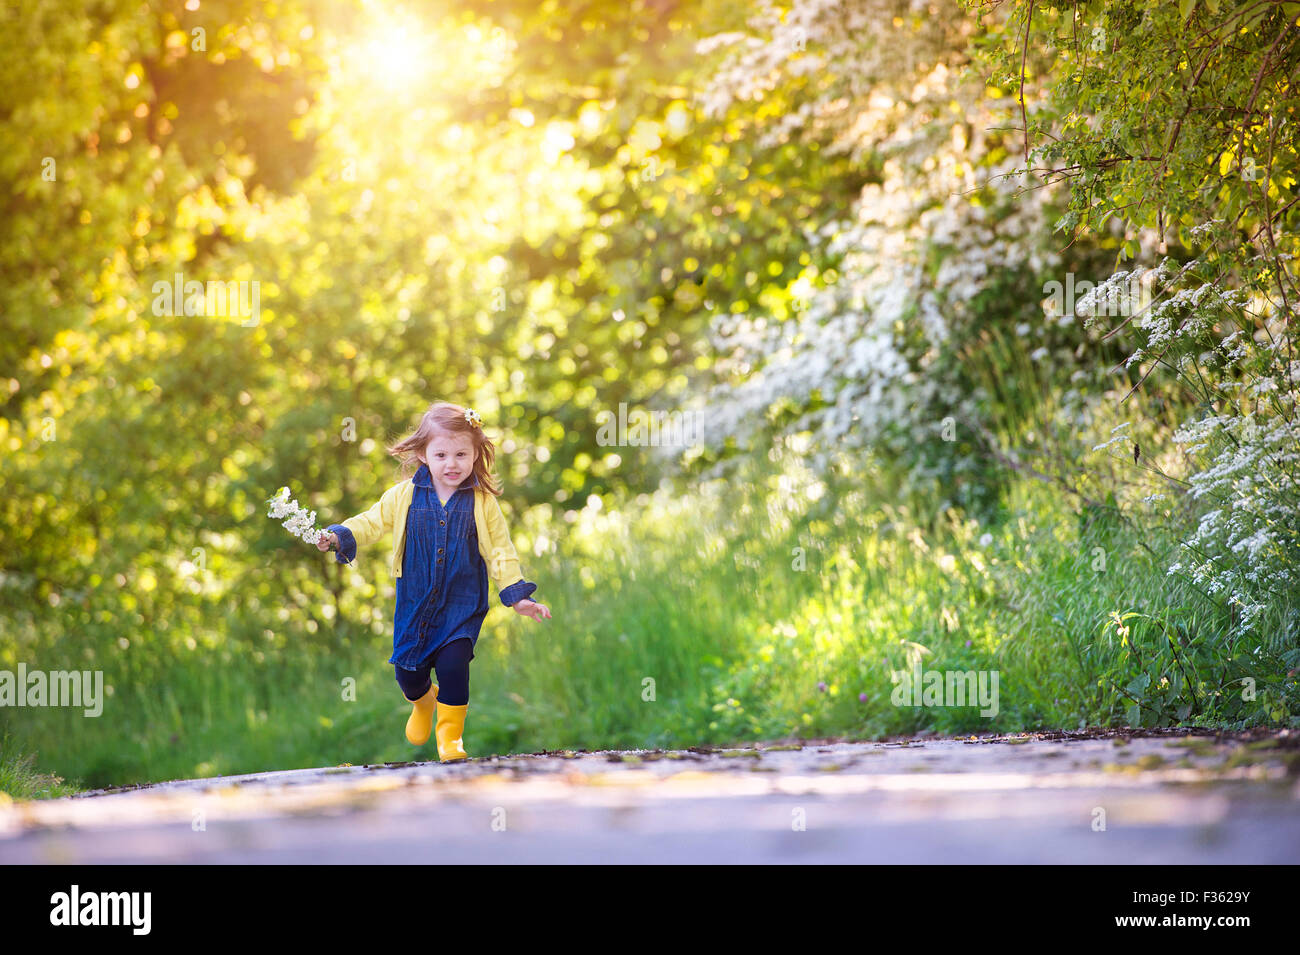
(445, 418)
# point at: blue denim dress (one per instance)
(442, 594)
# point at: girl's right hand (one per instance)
(327, 540)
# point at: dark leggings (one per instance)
(451, 663)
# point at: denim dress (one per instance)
(442, 594)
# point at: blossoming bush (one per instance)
(1228, 348)
(928, 350)
(937, 251)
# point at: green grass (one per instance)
(775, 605)
(678, 621)
(20, 780)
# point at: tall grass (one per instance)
(729, 614)
(777, 603)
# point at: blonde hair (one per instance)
(446, 418)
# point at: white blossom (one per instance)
(916, 254)
(300, 521)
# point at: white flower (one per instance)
(300, 522)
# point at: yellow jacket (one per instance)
(389, 514)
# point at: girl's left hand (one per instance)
(530, 608)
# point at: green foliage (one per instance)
(541, 219)
(1165, 115)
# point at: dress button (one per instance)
(439, 550)
(442, 523)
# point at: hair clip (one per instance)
(473, 417)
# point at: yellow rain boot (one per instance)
(420, 722)
(451, 726)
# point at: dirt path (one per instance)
(1163, 798)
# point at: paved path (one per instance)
(1164, 798)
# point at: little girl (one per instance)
(448, 535)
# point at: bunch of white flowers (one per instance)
(301, 522)
(913, 252)
(1245, 547)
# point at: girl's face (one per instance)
(450, 458)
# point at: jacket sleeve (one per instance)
(503, 562)
(366, 527)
